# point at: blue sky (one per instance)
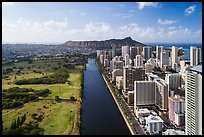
(170, 22)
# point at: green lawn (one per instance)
(58, 118)
(61, 90)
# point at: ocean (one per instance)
(185, 46)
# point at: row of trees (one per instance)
(19, 122)
(57, 78)
(19, 127)
(14, 97)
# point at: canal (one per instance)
(100, 115)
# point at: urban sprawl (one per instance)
(158, 93)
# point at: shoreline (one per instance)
(123, 115)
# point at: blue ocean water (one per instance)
(185, 46)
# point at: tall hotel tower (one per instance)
(194, 56)
(193, 97)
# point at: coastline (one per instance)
(123, 115)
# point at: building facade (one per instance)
(193, 97)
(177, 109)
(161, 94)
(194, 56)
(147, 52)
(174, 55)
(131, 74)
(125, 50)
(144, 93)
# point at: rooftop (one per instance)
(144, 110)
(152, 118)
(197, 68)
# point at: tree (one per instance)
(13, 124)
(57, 98)
(23, 120)
(18, 122)
(72, 98)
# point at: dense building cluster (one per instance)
(176, 97)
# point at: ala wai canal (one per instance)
(100, 114)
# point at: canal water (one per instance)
(100, 114)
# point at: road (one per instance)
(129, 114)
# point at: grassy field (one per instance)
(62, 90)
(59, 118)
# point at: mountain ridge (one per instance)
(127, 41)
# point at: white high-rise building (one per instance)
(164, 59)
(113, 51)
(125, 50)
(127, 58)
(174, 56)
(138, 61)
(159, 49)
(173, 80)
(148, 68)
(193, 97)
(194, 56)
(154, 124)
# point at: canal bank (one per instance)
(122, 113)
(126, 121)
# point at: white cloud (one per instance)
(123, 15)
(23, 30)
(56, 23)
(83, 14)
(7, 3)
(97, 27)
(190, 10)
(141, 5)
(165, 22)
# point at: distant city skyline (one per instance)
(57, 22)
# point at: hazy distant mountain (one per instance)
(104, 44)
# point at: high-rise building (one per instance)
(119, 82)
(176, 110)
(98, 53)
(173, 80)
(154, 124)
(148, 68)
(138, 61)
(106, 63)
(133, 52)
(131, 74)
(159, 50)
(193, 97)
(139, 50)
(194, 56)
(111, 67)
(127, 58)
(144, 93)
(115, 73)
(117, 63)
(147, 52)
(164, 59)
(101, 59)
(113, 51)
(110, 54)
(161, 94)
(125, 50)
(174, 55)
